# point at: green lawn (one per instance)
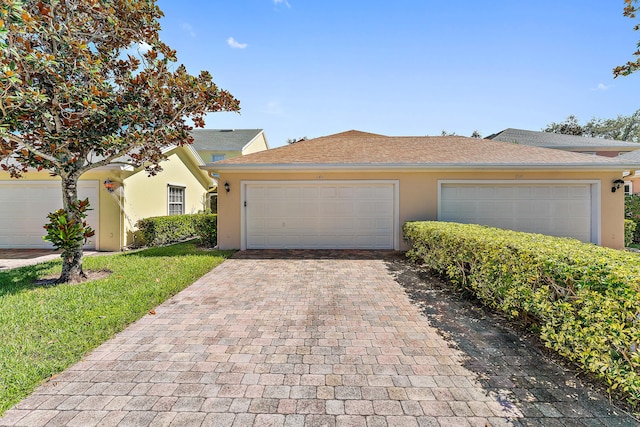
(44, 329)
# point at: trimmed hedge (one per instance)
(630, 227)
(164, 230)
(584, 300)
(632, 212)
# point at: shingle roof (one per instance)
(560, 141)
(223, 139)
(633, 156)
(364, 149)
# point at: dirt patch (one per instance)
(90, 275)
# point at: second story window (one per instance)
(217, 157)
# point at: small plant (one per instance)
(69, 233)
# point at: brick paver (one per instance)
(261, 340)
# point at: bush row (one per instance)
(632, 213)
(582, 299)
(630, 227)
(164, 230)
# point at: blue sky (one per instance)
(407, 67)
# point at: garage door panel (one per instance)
(552, 209)
(319, 215)
(24, 209)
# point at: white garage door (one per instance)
(554, 209)
(313, 215)
(24, 209)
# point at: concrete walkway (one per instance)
(14, 258)
(287, 339)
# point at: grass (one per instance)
(47, 328)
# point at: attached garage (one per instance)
(356, 190)
(320, 215)
(560, 208)
(24, 209)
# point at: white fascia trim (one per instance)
(195, 155)
(596, 204)
(404, 167)
(396, 202)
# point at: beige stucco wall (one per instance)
(418, 193)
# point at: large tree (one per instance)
(622, 128)
(86, 82)
(630, 10)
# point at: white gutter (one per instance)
(309, 167)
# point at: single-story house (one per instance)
(578, 144)
(356, 189)
(119, 194)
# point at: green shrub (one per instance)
(632, 212)
(583, 299)
(164, 230)
(206, 228)
(629, 231)
(67, 234)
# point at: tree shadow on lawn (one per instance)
(23, 278)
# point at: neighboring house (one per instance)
(179, 188)
(214, 145)
(356, 189)
(632, 180)
(182, 187)
(579, 144)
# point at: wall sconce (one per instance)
(226, 187)
(109, 185)
(617, 184)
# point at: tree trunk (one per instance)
(72, 258)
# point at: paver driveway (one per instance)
(284, 341)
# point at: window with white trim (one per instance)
(217, 157)
(628, 188)
(176, 200)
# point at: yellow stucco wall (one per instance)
(259, 143)
(108, 211)
(143, 196)
(418, 193)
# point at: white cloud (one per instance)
(189, 29)
(143, 47)
(274, 108)
(284, 2)
(234, 44)
(602, 87)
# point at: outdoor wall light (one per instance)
(226, 187)
(617, 184)
(109, 185)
